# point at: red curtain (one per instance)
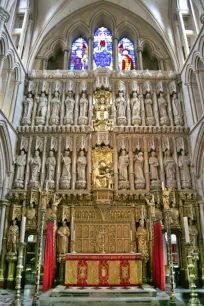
(158, 268)
(49, 259)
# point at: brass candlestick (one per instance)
(191, 259)
(36, 301)
(165, 195)
(19, 270)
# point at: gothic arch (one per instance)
(130, 31)
(155, 51)
(79, 29)
(53, 45)
(6, 148)
(201, 46)
(195, 60)
(102, 16)
(198, 157)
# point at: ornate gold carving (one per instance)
(71, 272)
(102, 110)
(102, 160)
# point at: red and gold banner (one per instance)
(103, 270)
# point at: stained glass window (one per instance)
(79, 55)
(126, 55)
(102, 52)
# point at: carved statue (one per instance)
(139, 171)
(154, 173)
(55, 108)
(28, 106)
(20, 170)
(148, 109)
(83, 109)
(69, 108)
(31, 215)
(193, 233)
(121, 109)
(136, 105)
(81, 170)
(63, 234)
(177, 110)
(174, 213)
(42, 109)
(170, 169)
(151, 202)
(66, 173)
(50, 169)
(123, 166)
(164, 119)
(184, 163)
(13, 238)
(35, 167)
(142, 236)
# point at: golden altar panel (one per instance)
(103, 270)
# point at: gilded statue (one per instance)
(165, 196)
(151, 203)
(13, 238)
(102, 176)
(142, 236)
(63, 234)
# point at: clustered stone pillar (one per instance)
(4, 17)
(66, 59)
(115, 52)
(90, 46)
(139, 58)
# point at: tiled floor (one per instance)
(7, 296)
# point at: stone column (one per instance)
(175, 157)
(62, 104)
(89, 164)
(34, 107)
(7, 87)
(131, 166)
(200, 89)
(76, 109)
(170, 113)
(66, 59)
(146, 165)
(29, 156)
(128, 105)
(90, 58)
(113, 105)
(192, 103)
(90, 113)
(115, 158)
(74, 158)
(44, 63)
(155, 106)
(162, 172)
(48, 106)
(139, 58)
(13, 104)
(186, 47)
(23, 31)
(4, 17)
(161, 64)
(2, 58)
(202, 16)
(42, 174)
(59, 152)
(115, 52)
(27, 43)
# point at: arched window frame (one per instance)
(84, 49)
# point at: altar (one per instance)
(103, 269)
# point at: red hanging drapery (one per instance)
(49, 258)
(158, 268)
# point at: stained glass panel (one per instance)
(79, 55)
(126, 55)
(102, 52)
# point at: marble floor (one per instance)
(7, 296)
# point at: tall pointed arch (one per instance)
(79, 55)
(102, 49)
(126, 55)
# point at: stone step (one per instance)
(76, 296)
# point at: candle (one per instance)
(186, 229)
(163, 186)
(22, 232)
(74, 235)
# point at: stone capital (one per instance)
(4, 202)
(90, 37)
(139, 49)
(116, 37)
(4, 15)
(66, 49)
